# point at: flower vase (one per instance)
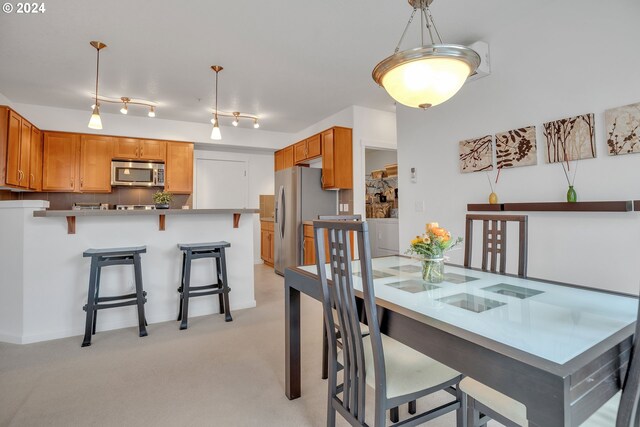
(572, 196)
(433, 270)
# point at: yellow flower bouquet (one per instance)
(430, 247)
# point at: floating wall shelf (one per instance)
(600, 206)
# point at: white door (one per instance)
(221, 184)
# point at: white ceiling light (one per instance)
(95, 122)
(427, 75)
(125, 109)
(152, 111)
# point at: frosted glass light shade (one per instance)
(426, 76)
(95, 122)
(215, 133)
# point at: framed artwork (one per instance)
(476, 154)
(516, 147)
(623, 129)
(570, 139)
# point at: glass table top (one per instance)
(550, 321)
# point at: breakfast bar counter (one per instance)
(45, 278)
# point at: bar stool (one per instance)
(191, 251)
(103, 258)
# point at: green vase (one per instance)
(572, 197)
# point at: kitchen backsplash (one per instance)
(119, 196)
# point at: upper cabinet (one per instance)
(35, 164)
(96, 152)
(334, 146)
(139, 149)
(15, 150)
(337, 158)
(179, 168)
(309, 149)
(60, 161)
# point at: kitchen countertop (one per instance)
(151, 212)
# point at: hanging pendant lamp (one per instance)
(95, 122)
(215, 132)
(427, 75)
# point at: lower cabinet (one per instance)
(266, 242)
(309, 247)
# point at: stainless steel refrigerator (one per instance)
(299, 197)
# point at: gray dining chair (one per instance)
(619, 411)
(494, 242)
(397, 373)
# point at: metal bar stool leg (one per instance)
(89, 308)
(97, 295)
(225, 286)
(181, 288)
(142, 321)
(185, 290)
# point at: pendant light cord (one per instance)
(426, 20)
(217, 98)
(97, 74)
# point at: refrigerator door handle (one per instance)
(283, 211)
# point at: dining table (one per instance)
(562, 350)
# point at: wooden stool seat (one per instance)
(193, 251)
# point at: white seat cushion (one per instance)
(408, 371)
(500, 403)
(606, 415)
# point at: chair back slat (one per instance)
(628, 414)
(494, 242)
(340, 294)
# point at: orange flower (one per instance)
(431, 226)
(440, 232)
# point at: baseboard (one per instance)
(109, 326)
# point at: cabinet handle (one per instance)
(71, 182)
(19, 175)
(141, 151)
(137, 152)
(81, 182)
(33, 177)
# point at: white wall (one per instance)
(568, 58)
(62, 119)
(376, 159)
(342, 118)
(261, 181)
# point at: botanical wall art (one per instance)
(623, 129)
(476, 154)
(516, 147)
(570, 139)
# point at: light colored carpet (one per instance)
(213, 374)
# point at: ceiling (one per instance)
(290, 62)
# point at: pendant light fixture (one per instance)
(427, 75)
(215, 132)
(125, 108)
(95, 122)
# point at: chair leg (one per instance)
(185, 291)
(412, 407)
(97, 295)
(394, 414)
(218, 274)
(325, 351)
(225, 286)
(461, 412)
(89, 308)
(137, 268)
(473, 415)
(181, 288)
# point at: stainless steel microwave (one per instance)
(137, 174)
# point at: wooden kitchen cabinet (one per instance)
(309, 246)
(35, 162)
(60, 161)
(278, 160)
(288, 157)
(96, 152)
(337, 158)
(139, 149)
(15, 149)
(179, 168)
(266, 242)
(308, 149)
